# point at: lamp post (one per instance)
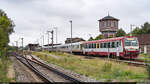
(56, 40)
(71, 39)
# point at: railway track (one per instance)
(135, 62)
(47, 73)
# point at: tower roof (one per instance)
(109, 18)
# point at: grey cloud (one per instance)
(35, 17)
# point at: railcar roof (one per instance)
(109, 39)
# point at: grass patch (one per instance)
(96, 68)
(4, 64)
(144, 57)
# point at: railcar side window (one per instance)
(102, 45)
(105, 45)
(108, 45)
(90, 46)
(117, 44)
(97, 45)
(94, 45)
(113, 44)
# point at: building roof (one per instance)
(76, 39)
(51, 44)
(109, 18)
(33, 44)
(144, 39)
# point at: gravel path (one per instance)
(23, 74)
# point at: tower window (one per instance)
(105, 23)
(112, 24)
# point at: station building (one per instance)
(144, 43)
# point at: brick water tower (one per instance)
(108, 26)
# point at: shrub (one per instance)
(148, 69)
(107, 67)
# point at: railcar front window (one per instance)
(131, 42)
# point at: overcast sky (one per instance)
(34, 17)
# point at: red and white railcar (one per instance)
(125, 47)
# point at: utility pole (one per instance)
(22, 47)
(52, 38)
(48, 40)
(71, 39)
(56, 40)
(131, 29)
(43, 41)
(16, 46)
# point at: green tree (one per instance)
(120, 33)
(98, 37)
(6, 28)
(145, 29)
(136, 31)
(90, 39)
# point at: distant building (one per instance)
(144, 43)
(108, 26)
(51, 44)
(32, 46)
(68, 40)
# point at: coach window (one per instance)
(85, 46)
